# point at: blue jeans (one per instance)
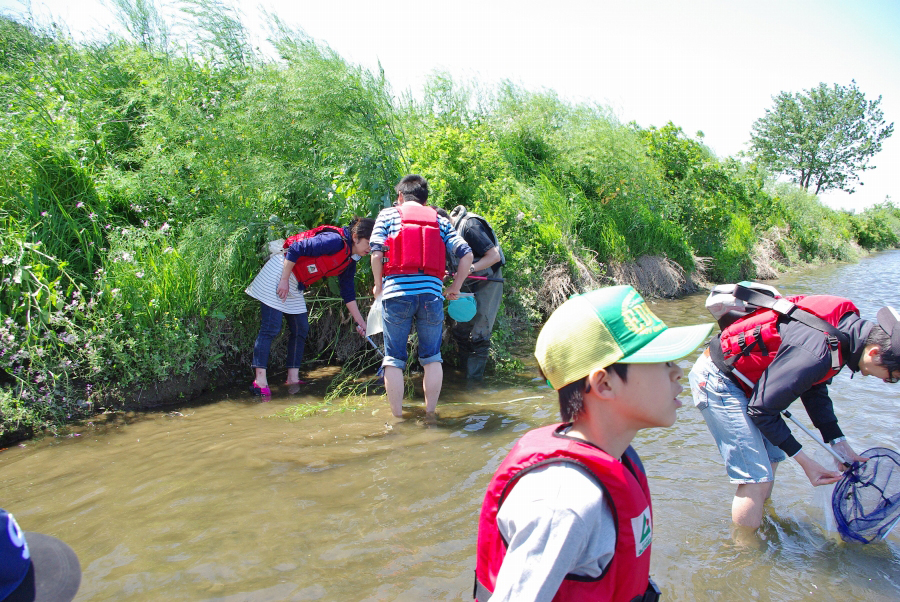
(428, 311)
(270, 326)
(747, 453)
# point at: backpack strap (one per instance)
(718, 358)
(635, 459)
(838, 343)
(747, 348)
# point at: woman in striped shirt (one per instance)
(280, 292)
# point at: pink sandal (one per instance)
(261, 391)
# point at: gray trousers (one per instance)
(474, 337)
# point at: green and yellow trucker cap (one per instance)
(605, 326)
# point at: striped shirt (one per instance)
(266, 282)
(387, 225)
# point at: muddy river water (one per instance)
(221, 501)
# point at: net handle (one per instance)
(827, 447)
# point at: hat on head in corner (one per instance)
(35, 567)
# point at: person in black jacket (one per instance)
(797, 361)
(473, 338)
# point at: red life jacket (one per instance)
(627, 576)
(749, 345)
(418, 246)
(312, 269)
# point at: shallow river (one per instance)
(223, 502)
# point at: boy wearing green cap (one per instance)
(568, 511)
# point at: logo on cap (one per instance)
(637, 316)
(16, 536)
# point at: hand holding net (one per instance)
(866, 501)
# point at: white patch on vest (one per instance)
(642, 527)
(311, 268)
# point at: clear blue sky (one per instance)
(710, 65)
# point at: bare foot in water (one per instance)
(294, 387)
(431, 418)
(394, 420)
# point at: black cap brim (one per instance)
(888, 320)
(55, 572)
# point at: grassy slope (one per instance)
(142, 185)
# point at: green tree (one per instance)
(821, 137)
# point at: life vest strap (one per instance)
(481, 592)
(792, 311)
(834, 345)
(652, 594)
(727, 365)
(757, 333)
(747, 349)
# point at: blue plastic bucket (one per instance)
(462, 309)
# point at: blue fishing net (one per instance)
(866, 501)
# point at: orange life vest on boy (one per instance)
(418, 246)
(749, 345)
(312, 269)
(627, 576)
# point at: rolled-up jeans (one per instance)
(270, 326)
(427, 310)
(747, 453)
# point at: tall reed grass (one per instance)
(144, 176)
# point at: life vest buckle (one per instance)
(835, 346)
(652, 594)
